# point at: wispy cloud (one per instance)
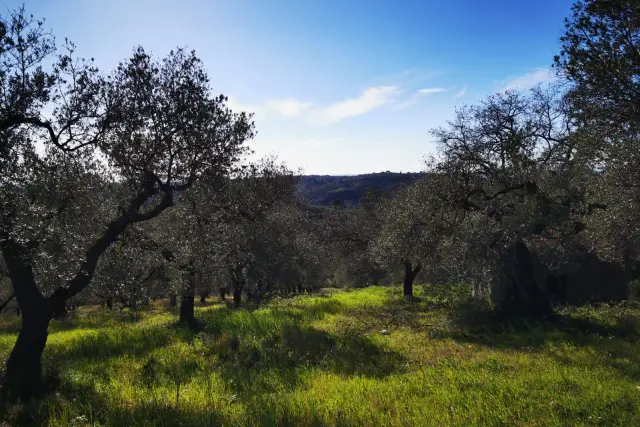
(462, 92)
(430, 90)
(529, 80)
(416, 96)
(370, 99)
(288, 107)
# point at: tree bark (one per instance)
(237, 295)
(410, 274)
(521, 297)
(23, 375)
(61, 312)
(173, 300)
(223, 293)
(187, 313)
(187, 303)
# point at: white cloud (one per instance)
(370, 99)
(415, 97)
(236, 106)
(529, 80)
(430, 90)
(462, 92)
(287, 107)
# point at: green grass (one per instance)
(322, 360)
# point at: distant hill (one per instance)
(324, 190)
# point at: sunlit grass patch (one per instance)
(365, 357)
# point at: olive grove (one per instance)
(137, 184)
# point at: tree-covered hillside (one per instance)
(324, 190)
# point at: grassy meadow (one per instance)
(349, 358)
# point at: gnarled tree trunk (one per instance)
(237, 295)
(23, 375)
(410, 274)
(238, 281)
(519, 295)
(187, 312)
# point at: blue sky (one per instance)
(337, 87)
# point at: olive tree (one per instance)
(244, 230)
(412, 225)
(287, 256)
(347, 234)
(152, 125)
(600, 58)
(512, 158)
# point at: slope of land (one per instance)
(364, 358)
(324, 190)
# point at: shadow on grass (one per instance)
(265, 320)
(613, 338)
(270, 349)
(100, 410)
(480, 326)
(105, 344)
(281, 359)
(612, 332)
(83, 406)
(85, 317)
(416, 313)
